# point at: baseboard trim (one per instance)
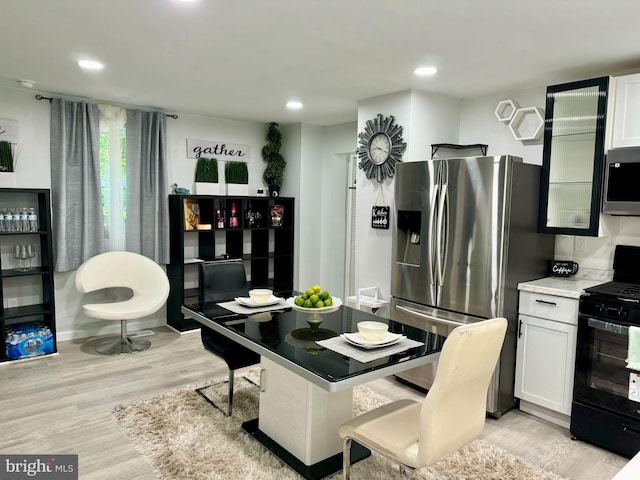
(545, 413)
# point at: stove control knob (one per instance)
(621, 313)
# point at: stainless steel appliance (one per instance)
(466, 234)
(621, 193)
(606, 394)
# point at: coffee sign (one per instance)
(560, 268)
(220, 150)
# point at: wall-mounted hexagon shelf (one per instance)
(527, 123)
(505, 110)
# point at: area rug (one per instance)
(184, 437)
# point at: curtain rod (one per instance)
(42, 97)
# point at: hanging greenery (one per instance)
(274, 172)
(236, 172)
(207, 170)
(6, 156)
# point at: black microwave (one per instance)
(622, 182)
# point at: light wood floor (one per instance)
(63, 403)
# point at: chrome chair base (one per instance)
(122, 345)
(229, 411)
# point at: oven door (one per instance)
(602, 379)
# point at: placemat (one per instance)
(340, 345)
(235, 307)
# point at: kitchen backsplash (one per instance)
(596, 258)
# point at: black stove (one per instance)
(629, 292)
(619, 299)
(606, 404)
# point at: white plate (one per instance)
(247, 302)
(357, 340)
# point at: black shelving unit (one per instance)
(16, 306)
(266, 250)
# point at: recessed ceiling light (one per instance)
(91, 64)
(26, 83)
(425, 71)
(294, 105)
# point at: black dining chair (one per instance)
(219, 281)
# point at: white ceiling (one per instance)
(243, 59)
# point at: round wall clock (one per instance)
(380, 147)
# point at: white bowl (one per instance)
(260, 295)
(372, 331)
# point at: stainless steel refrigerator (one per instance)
(465, 235)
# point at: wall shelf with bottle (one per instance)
(27, 315)
(258, 230)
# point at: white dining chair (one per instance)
(417, 434)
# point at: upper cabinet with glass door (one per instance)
(574, 142)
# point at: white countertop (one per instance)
(569, 287)
(631, 471)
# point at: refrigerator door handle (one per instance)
(428, 317)
(432, 213)
(443, 218)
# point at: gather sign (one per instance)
(220, 150)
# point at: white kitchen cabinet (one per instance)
(626, 120)
(545, 356)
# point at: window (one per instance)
(113, 164)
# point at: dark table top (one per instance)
(286, 338)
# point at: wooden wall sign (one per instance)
(220, 150)
(380, 217)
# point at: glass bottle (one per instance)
(33, 220)
(16, 225)
(219, 219)
(233, 220)
(24, 220)
(8, 220)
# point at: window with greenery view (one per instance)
(113, 164)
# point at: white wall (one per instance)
(181, 169)
(426, 119)
(338, 144)
(316, 177)
(310, 207)
(373, 246)
(434, 119)
(291, 148)
(32, 169)
(478, 124)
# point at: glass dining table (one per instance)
(306, 389)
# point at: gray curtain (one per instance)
(147, 185)
(78, 227)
